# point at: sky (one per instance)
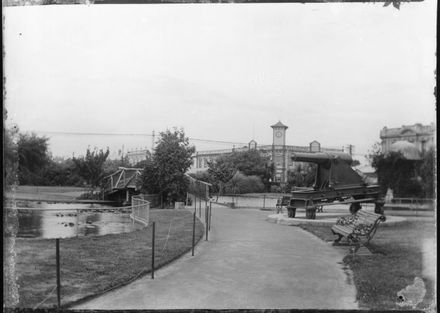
(336, 73)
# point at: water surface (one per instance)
(64, 220)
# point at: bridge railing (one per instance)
(140, 210)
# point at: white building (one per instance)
(421, 136)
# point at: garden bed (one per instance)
(93, 265)
(399, 255)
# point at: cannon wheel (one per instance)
(378, 208)
(291, 212)
(311, 213)
(354, 207)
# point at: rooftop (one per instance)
(279, 124)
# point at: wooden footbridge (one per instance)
(122, 184)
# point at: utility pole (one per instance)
(152, 142)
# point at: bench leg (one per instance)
(337, 240)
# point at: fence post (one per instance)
(206, 222)
(210, 208)
(58, 273)
(264, 202)
(195, 203)
(194, 232)
(152, 250)
(200, 207)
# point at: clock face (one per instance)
(278, 134)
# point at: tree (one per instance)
(32, 158)
(110, 166)
(61, 173)
(10, 157)
(249, 163)
(396, 172)
(221, 171)
(241, 183)
(302, 175)
(91, 167)
(252, 163)
(164, 172)
(426, 173)
(207, 178)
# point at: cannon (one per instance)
(336, 182)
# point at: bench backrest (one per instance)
(368, 218)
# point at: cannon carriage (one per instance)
(335, 183)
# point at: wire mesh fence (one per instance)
(199, 188)
(140, 210)
(92, 265)
(263, 201)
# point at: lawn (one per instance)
(48, 193)
(398, 257)
(92, 265)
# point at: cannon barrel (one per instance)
(321, 157)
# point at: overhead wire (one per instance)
(130, 134)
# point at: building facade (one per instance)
(421, 136)
(279, 153)
(137, 155)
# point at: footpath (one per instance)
(247, 263)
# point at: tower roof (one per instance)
(279, 125)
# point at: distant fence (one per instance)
(263, 201)
(154, 199)
(199, 188)
(140, 210)
(412, 203)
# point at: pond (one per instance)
(64, 220)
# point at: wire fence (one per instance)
(199, 188)
(264, 201)
(102, 263)
(413, 203)
(140, 210)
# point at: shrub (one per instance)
(241, 183)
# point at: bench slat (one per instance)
(343, 229)
(362, 224)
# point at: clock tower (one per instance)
(279, 134)
(279, 153)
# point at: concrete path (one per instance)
(247, 263)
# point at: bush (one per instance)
(90, 196)
(241, 183)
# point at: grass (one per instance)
(46, 193)
(397, 259)
(92, 265)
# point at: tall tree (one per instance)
(91, 167)
(164, 172)
(426, 173)
(221, 170)
(249, 163)
(394, 171)
(10, 157)
(112, 165)
(32, 157)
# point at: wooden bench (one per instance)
(357, 228)
(284, 201)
